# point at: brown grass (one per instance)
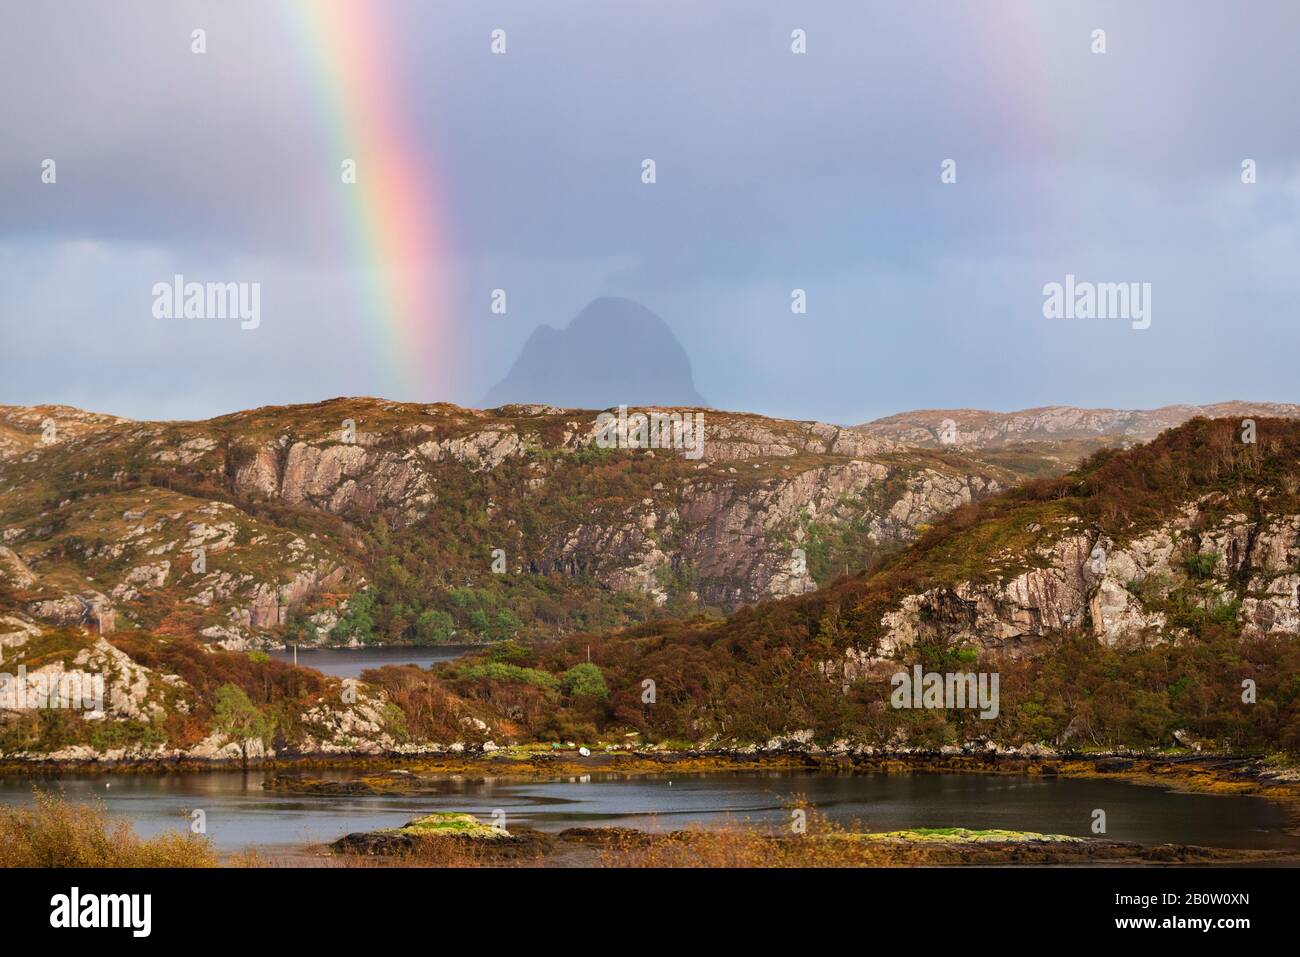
(54, 832)
(748, 847)
(821, 843)
(443, 853)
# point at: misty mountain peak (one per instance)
(615, 351)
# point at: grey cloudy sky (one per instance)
(775, 171)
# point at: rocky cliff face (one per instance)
(727, 522)
(1119, 592)
(1229, 557)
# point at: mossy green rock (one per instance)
(962, 835)
(439, 826)
(451, 824)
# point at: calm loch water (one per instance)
(350, 662)
(240, 813)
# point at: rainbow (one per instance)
(392, 208)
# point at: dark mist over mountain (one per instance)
(615, 351)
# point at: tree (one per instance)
(585, 679)
(434, 627)
(240, 720)
(358, 622)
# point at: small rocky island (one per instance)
(451, 838)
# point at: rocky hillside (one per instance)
(359, 520)
(1151, 597)
(1075, 431)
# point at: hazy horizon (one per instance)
(382, 398)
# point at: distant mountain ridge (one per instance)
(614, 352)
(1058, 423)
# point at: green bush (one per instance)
(358, 622)
(500, 671)
(585, 679)
(510, 652)
(1201, 565)
(434, 627)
